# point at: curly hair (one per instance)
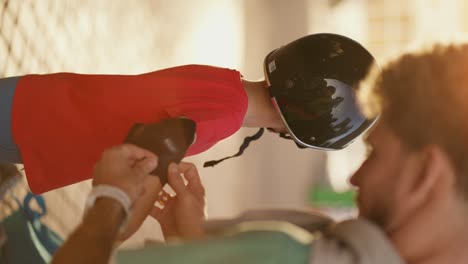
(423, 98)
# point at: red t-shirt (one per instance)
(62, 122)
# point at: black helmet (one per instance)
(312, 83)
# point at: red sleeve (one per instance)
(62, 122)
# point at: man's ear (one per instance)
(435, 173)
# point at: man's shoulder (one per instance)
(310, 221)
(354, 241)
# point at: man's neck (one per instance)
(453, 252)
(260, 112)
(434, 238)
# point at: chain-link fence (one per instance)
(120, 36)
(106, 36)
(74, 36)
(27, 35)
(27, 45)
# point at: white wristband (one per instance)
(110, 192)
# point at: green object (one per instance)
(249, 247)
(324, 196)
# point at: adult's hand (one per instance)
(127, 167)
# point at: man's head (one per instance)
(416, 172)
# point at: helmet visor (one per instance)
(327, 117)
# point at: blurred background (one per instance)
(131, 37)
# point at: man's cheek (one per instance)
(367, 203)
(381, 212)
(362, 204)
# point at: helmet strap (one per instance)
(244, 145)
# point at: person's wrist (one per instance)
(132, 193)
(113, 200)
(104, 219)
(113, 207)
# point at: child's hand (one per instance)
(182, 215)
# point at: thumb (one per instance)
(145, 166)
